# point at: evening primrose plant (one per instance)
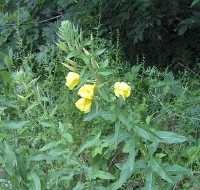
(77, 117)
(123, 140)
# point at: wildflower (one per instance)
(122, 89)
(87, 91)
(72, 80)
(84, 105)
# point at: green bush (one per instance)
(166, 32)
(32, 24)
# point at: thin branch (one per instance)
(188, 69)
(34, 22)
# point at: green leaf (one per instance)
(149, 181)
(182, 29)
(79, 186)
(52, 154)
(140, 165)
(15, 124)
(90, 143)
(124, 120)
(65, 134)
(6, 77)
(148, 120)
(41, 157)
(10, 159)
(95, 173)
(46, 124)
(170, 137)
(195, 2)
(99, 114)
(106, 73)
(49, 146)
(127, 168)
(68, 137)
(145, 134)
(8, 61)
(99, 52)
(193, 153)
(116, 134)
(91, 116)
(36, 181)
(160, 171)
(179, 170)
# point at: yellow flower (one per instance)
(122, 89)
(72, 80)
(84, 105)
(87, 91)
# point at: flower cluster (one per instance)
(86, 92)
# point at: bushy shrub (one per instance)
(166, 32)
(34, 23)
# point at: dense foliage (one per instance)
(166, 32)
(147, 139)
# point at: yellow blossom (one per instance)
(87, 91)
(84, 105)
(72, 80)
(122, 89)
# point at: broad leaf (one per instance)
(95, 173)
(145, 134)
(90, 143)
(127, 168)
(100, 114)
(36, 181)
(195, 2)
(160, 171)
(15, 124)
(79, 186)
(149, 181)
(170, 137)
(49, 146)
(9, 158)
